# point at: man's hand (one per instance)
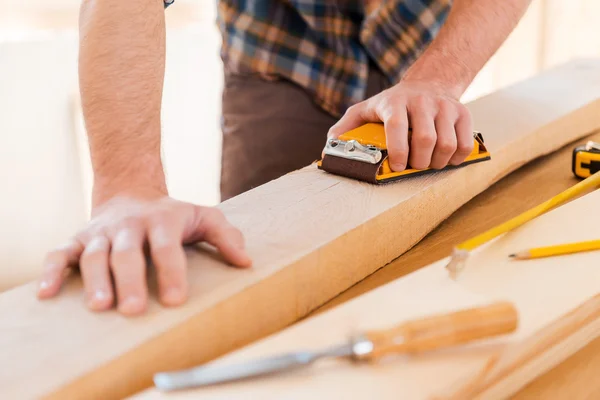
(111, 247)
(427, 97)
(441, 130)
(121, 71)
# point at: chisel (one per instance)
(430, 333)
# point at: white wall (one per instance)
(41, 194)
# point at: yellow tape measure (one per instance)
(586, 160)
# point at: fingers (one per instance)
(441, 127)
(354, 117)
(165, 238)
(424, 135)
(445, 146)
(95, 273)
(55, 266)
(396, 129)
(225, 237)
(442, 134)
(111, 252)
(129, 269)
(464, 136)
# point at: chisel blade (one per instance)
(214, 374)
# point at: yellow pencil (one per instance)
(557, 250)
(461, 252)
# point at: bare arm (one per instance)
(427, 97)
(121, 69)
(122, 62)
(472, 33)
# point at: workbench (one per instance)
(114, 357)
(576, 377)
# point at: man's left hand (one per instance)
(441, 127)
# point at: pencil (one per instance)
(549, 251)
(461, 252)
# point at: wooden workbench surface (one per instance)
(527, 187)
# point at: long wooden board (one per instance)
(311, 235)
(525, 188)
(558, 300)
(574, 378)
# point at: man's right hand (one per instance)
(114, 243)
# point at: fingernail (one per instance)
(98, 299)
(100, 295)
(43, 287)
(398, 167)
(45, 284)
(131, 305)
(173, 296)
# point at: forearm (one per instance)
(121, 71)
(472, 33)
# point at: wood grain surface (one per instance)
(525, 188)
(509, 370)
(531, 185)
(312, 235)
(574, 378)
(558, 300)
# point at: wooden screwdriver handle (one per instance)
(445, 330)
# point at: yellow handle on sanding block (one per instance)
(446, 330)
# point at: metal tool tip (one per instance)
(457, 262)
(163, 382)
(512, 255)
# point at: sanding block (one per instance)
(362, 154)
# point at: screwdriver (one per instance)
(430, 333)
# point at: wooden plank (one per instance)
(311, 234)
(575, 378)
(558, 301)
(529, 186)
(507, 371)
(518, 192)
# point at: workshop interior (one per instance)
(477, 278)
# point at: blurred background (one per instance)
(45, 176)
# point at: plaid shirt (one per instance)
(325, 45)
